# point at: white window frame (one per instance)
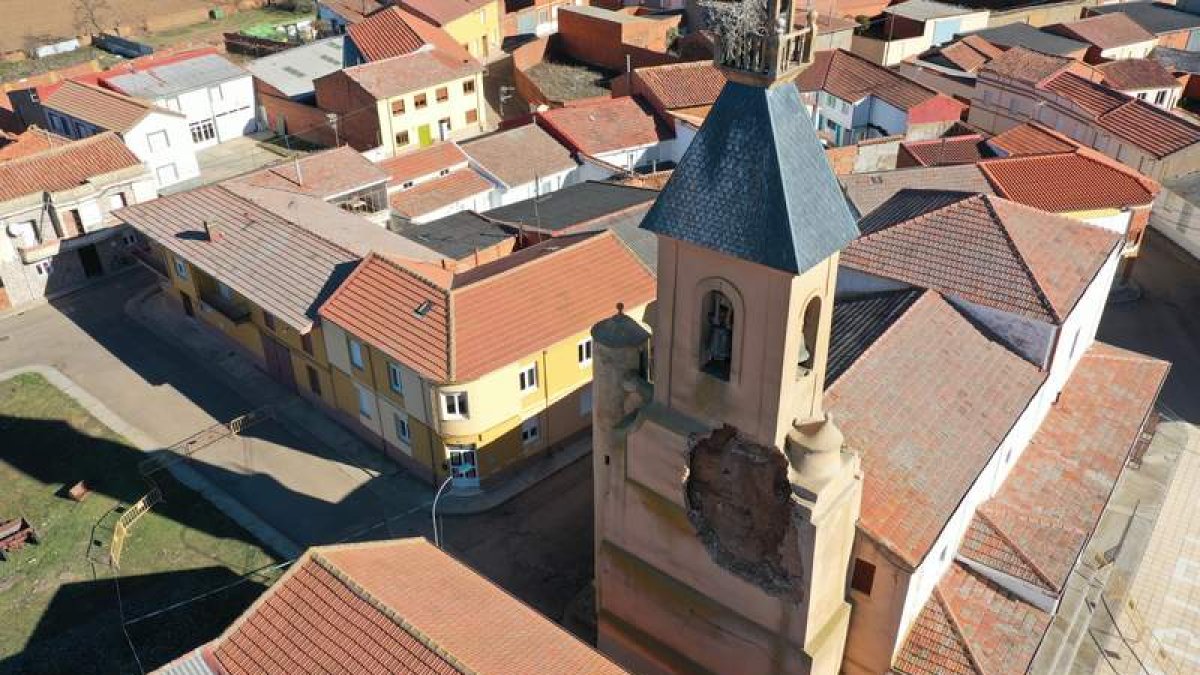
(161, 172)
(181, 269)
(355, 348)
(44, 267)
(527, 379)
(365, 401)
(395, 379)
(203, 131)
(455, 405)
(161, 133)
(531, 431)
(583, 352)
(401, 427)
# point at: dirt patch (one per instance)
(740, 502)
(566, 80)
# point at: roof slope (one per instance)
(1026, 65)
(755, 184)
(491, 315)
(383, 607)
(324, 174)
(172, 79)
(851, 78)
(946, 151)
(932, 397)
(442, 12)
(1024, 35)
(65, 166)
(402, 74)
(1031, 138)
(520, 155)
(683, 85)
(109, 110)
(869, 191)
(1135, 74)
(438, 193)
(388, 33)
(579, 205)
(31, 141)
(605, 126)
(423, 162)
(983, 249)
(293, 70)
(1158, 18)
(1105, 31)
(859, 321)
(1075, 181)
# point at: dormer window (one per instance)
(717, 336)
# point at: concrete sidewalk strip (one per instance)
(185, 474)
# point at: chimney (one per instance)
(212, 232)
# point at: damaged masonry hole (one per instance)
(740, 502)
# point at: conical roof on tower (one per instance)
(755, 184)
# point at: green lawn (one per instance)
(59, 598)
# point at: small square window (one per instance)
(530, 431)
(472, 116)
(528, 378)
(402, 430)
(402, 138)
(356, 354)
(583, 352)
(395, 381)
(44, 267)
(419, 101)
(442, 94)
(406, 185)
(398, 107)
(454, 405)
(469, 87)
(864, 576)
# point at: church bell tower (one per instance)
(725, 501)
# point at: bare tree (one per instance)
(734, 21)
(92, 17)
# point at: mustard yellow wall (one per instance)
(478, 35)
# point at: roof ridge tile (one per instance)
(982, 515)
(1043, 298)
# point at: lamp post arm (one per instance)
(437, 539)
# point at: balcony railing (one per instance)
(768, 56)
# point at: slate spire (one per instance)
(755, 183)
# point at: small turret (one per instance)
(768, 50)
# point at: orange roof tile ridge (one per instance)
(56, 150)
(957, 628)
(921, 217)
(1097, 157)
(357, 589)
(1111, 352)
(1043, 298)
(262, 599)
(924, 298)
(979, 513)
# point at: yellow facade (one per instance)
(478, 31)
(501, 416)
(451, 110)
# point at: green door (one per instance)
(424, 135)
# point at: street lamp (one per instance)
(437, 539)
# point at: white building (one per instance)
(158, 137)
(216, 96)
(57, 230)
(522, 163)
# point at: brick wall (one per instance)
(358, 116)
(605, 43)
(283, 114)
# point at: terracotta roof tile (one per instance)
(392, 32)
(31, 141)
(1150, 128)
(520, 155)
(1052, 500)
(442, 12)
(402, 74)
(423, 162)
(987, 545)
(604, 126)
(946, 151)
(851, 78)
(1094, 99)
(104, 108)
(934, 645)
(968, 54)
(683, 85)
(1025, 65)
(65, 166)
(1135, 74)
(1031, 138)
(323, 174)
(869, 191)
(440, 192)
(354, 11)
(927, 405)
(982, 249)
(1064, 182)
(500, 311)
(1106, 31)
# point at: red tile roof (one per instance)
(384, 607)
(683, 85)
(65, 166)
(353, 11)
(970, 53)
(1105, 31)
(395, 32)
(1137, 74)
(983, 249)
(520, 155)
(325, 174)
(989, 546)
(500, 311)
(32, 140)
(403, 74)
(604, 126)
(423, 162)
(1032, 138)
(1051, 502)
(851, 78)
(1064, 182)
(935, 645)
(945, 151)
(1094, 99)
(933, 396)
(427, 197)
(102, 107)
(1025, 65)
(442, 12)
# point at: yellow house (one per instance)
(469, 371)
(474, 24)
(253, 260)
